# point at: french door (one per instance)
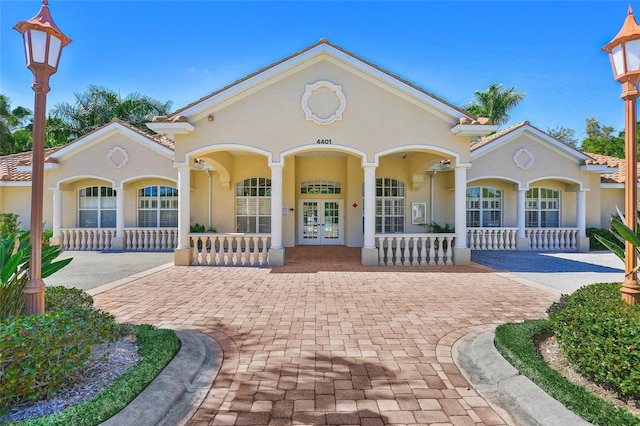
(320, 222)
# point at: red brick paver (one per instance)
(326, 341)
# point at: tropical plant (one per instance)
(619, 234)
(98, 106)
(12, 125)
(15, 249)
(495, 103)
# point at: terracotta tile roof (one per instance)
(485, 140)
(616, 176)
(306, 49)
(9, 165)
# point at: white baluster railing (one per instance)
(230, 249)
(552, 239)
(492, 238)
(150, 239)
(75, 239)
(415, 249)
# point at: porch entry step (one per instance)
(323, 254)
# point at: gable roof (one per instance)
(485, 143)
(322, 46)
(12, 166)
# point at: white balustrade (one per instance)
(230, 249)
(552, 239)
(135, 239)
(150, 239)
(415, 249)
(492, 238)
(75, 239)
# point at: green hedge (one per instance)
(594, 243)
(39, 354)
(60, 298)
(516, 342)
(156, 348)
(600, 335)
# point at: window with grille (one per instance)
(389, 206)
(484, 207)
(97, 207)
(542, 208)
(158, 207)
(253, 206)
(320, 187)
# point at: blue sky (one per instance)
(183, 50)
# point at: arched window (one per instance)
(389, 206)
(253, 206)
(484, 207)
(542, 206)
(158, 207)
(97, 207)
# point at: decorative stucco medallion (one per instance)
(524, 158)
(323, 102)
(117, 157)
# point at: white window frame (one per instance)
(485, 207)
(390, 193)
(253, 205)
(105, 203)
(538, 206)
(163, 199)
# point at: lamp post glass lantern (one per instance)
(43, 43)
(624, 51)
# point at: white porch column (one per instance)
(522, 242)
(581, 221)
(276, 251)
(118, 242)
(369, 251)
(182, 254)
(57, 217)
(461, 251)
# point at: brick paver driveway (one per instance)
(331, 342)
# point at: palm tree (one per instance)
(495, 103)
(11, 121)
(98, 105)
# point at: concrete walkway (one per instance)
(329, 341)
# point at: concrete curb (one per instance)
(512, 395)
(173, 397)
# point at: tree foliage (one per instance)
(98, 105)
(565, 135)
(495, 103)
(601, 139)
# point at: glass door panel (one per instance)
(320, 222)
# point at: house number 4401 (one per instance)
(324, 141)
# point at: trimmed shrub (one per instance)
(40, 354)
(59, 298)
(9, 223)
(594, 243)
(600, 335)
